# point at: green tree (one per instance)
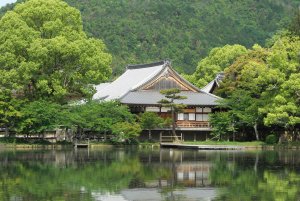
(243, 110)
(172, 95)
(183, 31)
(125, 131)
(98, 116)
(281, 106)
(38, 117)
(9, 111)
(150, 120)
(284, 110)
(248, 85)
(218, 59)
(295, 23)
(45, 53)
(222, 125)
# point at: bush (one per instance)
(64, 142)
(11, 140)
(271, 139)
(42, 142)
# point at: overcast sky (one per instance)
(4, 2)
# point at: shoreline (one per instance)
(157, 145)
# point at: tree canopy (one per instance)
(171, 95)
(261, 87)
(45, 53)
(183, 31)
(218, 59)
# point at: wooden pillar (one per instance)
(160, 138)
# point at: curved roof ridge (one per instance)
(137, 66)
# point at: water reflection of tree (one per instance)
(33, 180)
(268, 181)
(68, 175)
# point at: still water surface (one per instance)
(121, 174)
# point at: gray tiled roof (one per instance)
(152, 97)
(128, 87)
(134, 76)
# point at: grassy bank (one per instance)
(288, 145)
(231, 143)
(22, 142)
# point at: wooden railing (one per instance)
(192, 124)
(170, 138)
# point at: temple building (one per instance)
(140, 85)
(214, 84)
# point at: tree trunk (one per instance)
(173, 121)
(173, 124)
(256, 131)
(79, 133)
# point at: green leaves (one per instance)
(283, 113)
(150, 120)
(262, 87)
(125, 131)
(222, 125)
(103, 117)
(172, 95)
(39, 116)
(218, 59)
(9, 110)
(45, 53)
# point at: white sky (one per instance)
(4, 2)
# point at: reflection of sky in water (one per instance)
(4, 2)
(186, 194)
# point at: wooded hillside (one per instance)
(183, 31)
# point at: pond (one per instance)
(121, 174)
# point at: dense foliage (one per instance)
(45, 53)
(184, 31)
(261, 89)
(102, 118)
(38, 117)
(150, 121)
(46, 60)
(218, 59)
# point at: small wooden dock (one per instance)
(202, 147)
(81, 144)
